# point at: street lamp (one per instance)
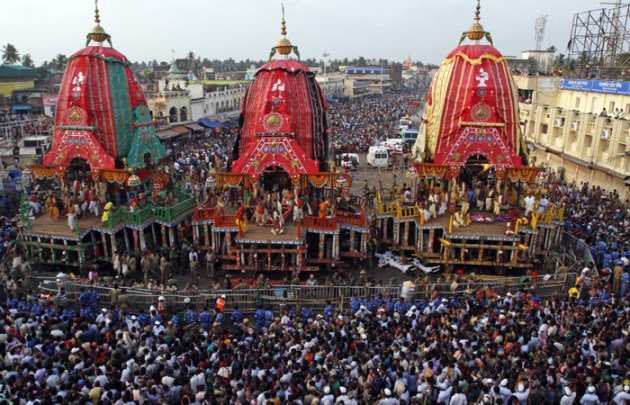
(325, 55)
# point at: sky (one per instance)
(144, 30)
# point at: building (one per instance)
(363, 80)
(578, 128)
(332, 84)
(182, 101)
(172, 102)
(15, 77)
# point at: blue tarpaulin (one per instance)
(208, 123)
(20, 109)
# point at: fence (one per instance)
(300, 296)
(185, 203)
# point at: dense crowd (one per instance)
(481, 348)
(599, 217)
(359, 123)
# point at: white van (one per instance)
(410, 135)
(393, 144)
(378, 156)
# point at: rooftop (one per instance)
(13, 71)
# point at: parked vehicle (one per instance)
(378, 156)
(410, 135)
(404, 124)
(393, 144)
(350, 161)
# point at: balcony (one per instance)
(225, 221)
(350, 218)
(204, 214)
(323, 224)
(184, 202)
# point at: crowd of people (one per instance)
(362, 122)
(601, 218)
(481, 348)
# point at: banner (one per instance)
(49, 100)
(596, 86)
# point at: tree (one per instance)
(148, 74)
(27, 60)
(60, 62)
(10, 55)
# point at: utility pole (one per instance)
(381, 76)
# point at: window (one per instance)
(577, 102)
(611, 107)
(594, 106)
(183, 114)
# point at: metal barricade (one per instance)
(299, 296)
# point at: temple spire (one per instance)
(98, 33)
(476, 31)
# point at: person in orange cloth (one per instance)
(51, 203)
(241, 221)
(323, 209)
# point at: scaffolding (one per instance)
(599, 47)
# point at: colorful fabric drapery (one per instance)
(46, 172)
(433, 170)
(115, 176)
(233, 180)
(318, 180)
(526, 174)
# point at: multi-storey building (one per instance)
(579, 128)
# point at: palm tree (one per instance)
(27, 60)
(60, 62)
(10, 55)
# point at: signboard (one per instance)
(49, 100)
(596, 86)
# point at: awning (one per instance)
(20, 108)
(181, 130)
(195, 127)
(208, 123)
(167, 134)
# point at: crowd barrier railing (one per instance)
(302, 296)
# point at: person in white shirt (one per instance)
(157, 328)
(362, 312)
(568, 397)
(505, 392)
(343, 397)
(521, 394)
(388, 400)
(327, 396)
(543, 204)
(458, 398)
(133, 323)
(590, 398)
(445, 392)
(623, 396)
(530, 201)
(102, 317)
